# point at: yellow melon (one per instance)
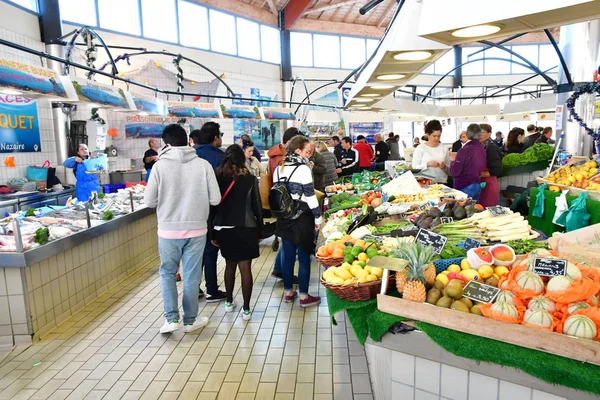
(580, 326)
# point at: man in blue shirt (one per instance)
(207, 142)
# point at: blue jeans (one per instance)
(289, 259)
(189, 252)
(278, 261)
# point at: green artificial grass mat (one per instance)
(367, 320)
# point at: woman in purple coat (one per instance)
(470, 162)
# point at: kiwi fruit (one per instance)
(492, 281)
(445, 302)
(476, 310)
(454, 291)
(459, 306)
(467, 302)
(439, 285)
(433, 296)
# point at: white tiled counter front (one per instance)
(37, 297)
(411, 366)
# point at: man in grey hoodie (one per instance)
(182, 187)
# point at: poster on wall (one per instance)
(367, 129)
(194, 110)
(264, 134)
(32, 80)
(322, 130)
(19, 125)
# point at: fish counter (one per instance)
(55, 262)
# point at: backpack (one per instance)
(282, 205)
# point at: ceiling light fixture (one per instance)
(363, 100)
(382, 87)
(370, 95)
(476, 31)
(390, 77)
(412, 56)
(386, 110)
(10, 92)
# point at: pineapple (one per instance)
(419, 271)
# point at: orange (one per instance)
(323, 252)
(340, 245)
(330, 247)
(348, 238)
(360, 243)
(337, 253)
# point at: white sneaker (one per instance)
(200, 323)
(229, 306)
(170, 327)
(246, 315)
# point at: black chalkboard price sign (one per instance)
(471, 244)
(428, 238)
(550, 266)
(498, 210)
(480, 292)
(446, 220)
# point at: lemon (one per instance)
(442, 278)
(346, 266)
(362, 279)
(465, 264)
(337, 281)
(501, 271)
(368, 268)
(471, 274)
(362, 274)
(363, 257)
(348, 281)
(372, 278)
(332, 270)
(378, 272)
(453, 268)
(485, 271)
(445, 272)
(344, 274)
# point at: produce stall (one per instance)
(464, 285)
(56, 260)
(520, 169)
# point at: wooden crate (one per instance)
(573, 191)
(548, 342)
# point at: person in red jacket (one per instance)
(365, 152)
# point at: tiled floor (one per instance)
(112, 349)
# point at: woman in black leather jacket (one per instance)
(237, 223)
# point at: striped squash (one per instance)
(506, 296)
(529, 280)
(577, 306)
(541, 303)
(580, 326)
(505, 309)
(539, 318)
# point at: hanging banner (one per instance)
(104, 96)
(150, 105)
(31, 80)
(278, 113)
(138, 127)
(242, 112)
(19, 126)
(194, 110)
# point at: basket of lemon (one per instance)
(355, 283)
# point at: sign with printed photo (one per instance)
(150, 105)
(194, 110)
(31, 80)
(104, 96)
(278, 113)
(241, 112)
(19, 125)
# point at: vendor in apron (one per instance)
(490, 194)
(432, 157)
(86, 183)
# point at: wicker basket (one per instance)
(330, 261)
(359, 291)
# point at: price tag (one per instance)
(428, 238)
(471, 244)
(446, 220)
(498, 210)
(550, 267)
(424, 207)
(480, 292)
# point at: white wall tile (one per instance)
(455, 383)
(538, 395)
(14, 283)
(18, 315)
(423, 395)
(4, 311)
(482, 387)
(511, 391)
(401, 391)
(403, 368)
(427, 375)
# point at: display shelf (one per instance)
(587, 351)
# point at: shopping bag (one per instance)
(561, 206)
(38, 173)
(264, 186)
(577, 216)
(540, 202)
